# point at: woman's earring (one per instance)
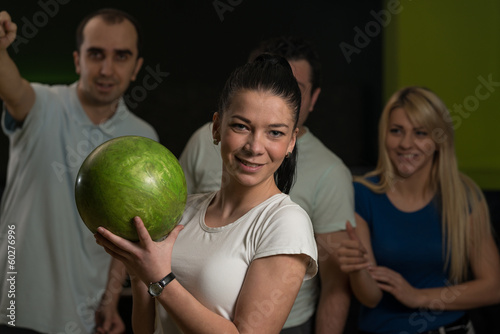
(288, 155)
(216, 141)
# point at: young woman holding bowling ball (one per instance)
(239, 255)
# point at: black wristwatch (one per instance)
(155, 289)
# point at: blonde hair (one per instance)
(465, 216)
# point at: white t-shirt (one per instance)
(323, 188)
(60, 272)
(211, 263)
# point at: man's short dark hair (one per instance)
(293, 48)
(110, 16)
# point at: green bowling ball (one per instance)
(131, 176)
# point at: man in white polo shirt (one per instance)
(59, 273)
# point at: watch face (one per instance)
(155, 289)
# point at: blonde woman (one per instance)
(423, 250)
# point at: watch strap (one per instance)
(167, 279)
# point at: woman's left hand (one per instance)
(146, 259)
(390, 281)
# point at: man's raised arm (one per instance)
(16, 93)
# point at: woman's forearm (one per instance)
(365, 288)
(469, 295)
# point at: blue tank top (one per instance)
(411, 244)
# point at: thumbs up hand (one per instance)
(352, 255)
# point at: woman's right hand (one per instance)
(146, 259)
(352, 255)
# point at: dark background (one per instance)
(198, 48)
(189, 40)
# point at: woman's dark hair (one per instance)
(110, 16)
(273, 74)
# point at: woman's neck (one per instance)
(411, 193)
(234, 200)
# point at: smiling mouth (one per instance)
(247, 163)
(105, 85)
(408, 156)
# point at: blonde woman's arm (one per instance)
(482, 290)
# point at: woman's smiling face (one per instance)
(410, 146)
(256, 132)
